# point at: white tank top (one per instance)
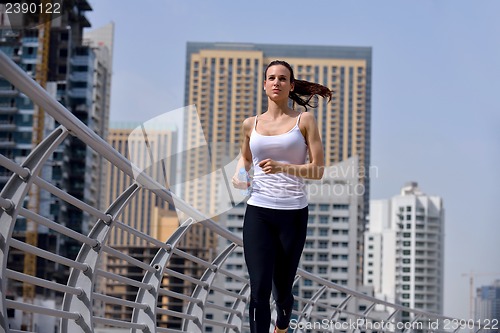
(281, 190)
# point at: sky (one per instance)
(435, 86)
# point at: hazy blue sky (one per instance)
(435, 104)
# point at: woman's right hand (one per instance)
(239, 184)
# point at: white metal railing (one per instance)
(166, 299)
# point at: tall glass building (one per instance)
(79, 77)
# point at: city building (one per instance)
(487, 304)
(404, 250)
(87, 95)
(77, 76)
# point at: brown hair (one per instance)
(303, 91)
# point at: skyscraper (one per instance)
(404, 250)
(86, 93)
(79, 77)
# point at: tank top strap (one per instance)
(298, 119)
(255, 122)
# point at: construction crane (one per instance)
(471, 275)
(37, 136)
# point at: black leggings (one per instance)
(273, 240)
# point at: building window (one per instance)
(324, 207)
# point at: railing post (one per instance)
(148, 316)
(84, 280)
(201, 293)
(14, 193)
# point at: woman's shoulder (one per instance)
(307, 123)
(306, 116)
(307, 119)
(248, 124)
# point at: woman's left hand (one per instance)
(270, 166)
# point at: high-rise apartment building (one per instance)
(144, 212)
(87, 95)
(404, 250)
(79, 77)
(487, 305)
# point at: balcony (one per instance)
(8, 109)
(79, 93)
(79, 61)
(7, 143)
(9, 93)
(7, 127)
(80, 77)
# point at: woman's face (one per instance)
(277, 82)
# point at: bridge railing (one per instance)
(160, 286)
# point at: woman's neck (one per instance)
(275, 109)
